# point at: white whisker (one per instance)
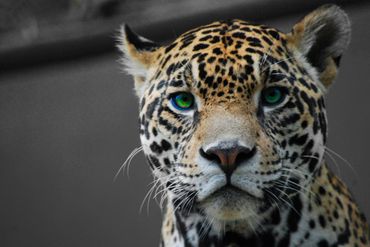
(128, 161)
(343, 159)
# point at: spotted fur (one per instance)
(281, 192)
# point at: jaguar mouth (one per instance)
(229, 191)
(218, 188)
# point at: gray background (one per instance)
(66, 128)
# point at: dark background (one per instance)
(68, 120)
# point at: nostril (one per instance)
(228, 156)
(245, 154)
(210, 156)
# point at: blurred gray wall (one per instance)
(66, 128)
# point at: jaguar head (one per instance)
(232, 114)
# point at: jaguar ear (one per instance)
(139, 55)
(322, 37)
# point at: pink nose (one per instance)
(228, 158)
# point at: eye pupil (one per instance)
(182, 101)
(272, 96)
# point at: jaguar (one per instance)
(233, 126)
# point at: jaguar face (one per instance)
(232, 115)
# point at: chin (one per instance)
(231, 204)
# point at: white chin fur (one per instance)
(230, 205)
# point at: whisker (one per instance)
(264, 58)
(128, 161)
(343, 159)
(289, 204)
(334, 161)
(148, 196)
(280, 61)
(298, 188)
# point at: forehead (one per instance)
(232, 48)
(220, 43)
(233, 33)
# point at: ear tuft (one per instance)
(136, 51)
(322, 37)
(140, 43)
(139, 55)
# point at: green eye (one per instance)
(272, 96)
(182, 101)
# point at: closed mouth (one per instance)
(229, 190)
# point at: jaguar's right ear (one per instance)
(139, 55)
(322, 36)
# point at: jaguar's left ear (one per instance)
(139, 55)
(322, 37)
